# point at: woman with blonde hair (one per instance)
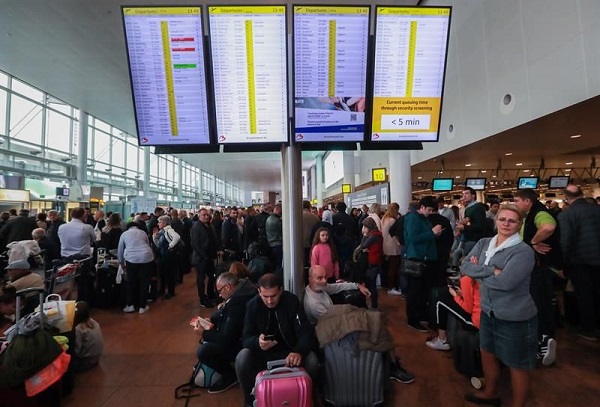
(392, 248)
(502, 266)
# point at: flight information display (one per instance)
(167, 69)
(330, 72)
(410, 63)
(249, 57)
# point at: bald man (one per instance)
(316, 299)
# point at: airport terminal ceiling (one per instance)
(75, 50)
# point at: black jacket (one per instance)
(204, 243)
(17, 229)
(580, 233)
(229, 320)
(51, 250)
(443, 242)
(287, 321)
(52, 231)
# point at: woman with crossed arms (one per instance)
(502, 265)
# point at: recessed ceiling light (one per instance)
(468, 165)
(483, 171)
(419, 177)
(576, 136)
(458, 176)
(519, 164)
(441, 172)
(568, 169)
(525, 170)
(494, 176)
(569, 163)
(508, 153)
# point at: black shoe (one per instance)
(418, 327)
(398, 374)
(472, 398)
(587, 335)
(206, 303)
(223, 384)
(168, 296)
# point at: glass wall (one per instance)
(39, 138)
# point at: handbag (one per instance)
(412, 268)
(59, 313)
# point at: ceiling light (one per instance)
(441, 172)
(419, 177)
(494, 176)
(525, 170)
(568, 169)
(458, 176)
(483, 171)
(569, 163)
(468, 165)
(519, 164)
(508, 153)
(576, 136)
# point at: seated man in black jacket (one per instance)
(221, 343)
(275, 328)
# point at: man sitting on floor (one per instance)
(317, 304)
(275, 328)
(221, 344)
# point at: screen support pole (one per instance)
(400, 178)
(291, 193)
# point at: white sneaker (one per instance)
(145, 309)
(393, 291)
(438, 344)
(129, 308)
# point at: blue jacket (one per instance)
(419, 238)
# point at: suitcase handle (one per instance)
(282, 370)
(275, 363)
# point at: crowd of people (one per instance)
(495, 268)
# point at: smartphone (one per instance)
(194, 321)
(269, 337)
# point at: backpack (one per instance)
(202, 377)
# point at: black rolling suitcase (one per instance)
(465, 348)
(106, 290)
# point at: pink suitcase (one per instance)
(283, 386)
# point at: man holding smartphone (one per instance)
(275, 328)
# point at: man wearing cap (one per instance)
(21, 277)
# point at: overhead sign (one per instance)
(378, 174)
(167, 67)
(249, 61)
(14, 195)
(330, 72)
(410, 64)
(346, 188)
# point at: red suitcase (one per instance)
(283, 386)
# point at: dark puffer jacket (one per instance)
(580, 233)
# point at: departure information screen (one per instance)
(166, 64)
(330, 72)
(410, 63)
(248, 49)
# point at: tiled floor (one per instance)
(148, 355)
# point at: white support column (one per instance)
(400, 178)
(146, 171)
(82, 154)
(319, 165)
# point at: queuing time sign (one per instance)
(378, 174)
(410, 63)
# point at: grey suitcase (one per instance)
(353, 380)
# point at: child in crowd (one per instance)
(323, 253)
(89, 343)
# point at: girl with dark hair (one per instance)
(89, 343)
(323, 253)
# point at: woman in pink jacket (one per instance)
(323, 253)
